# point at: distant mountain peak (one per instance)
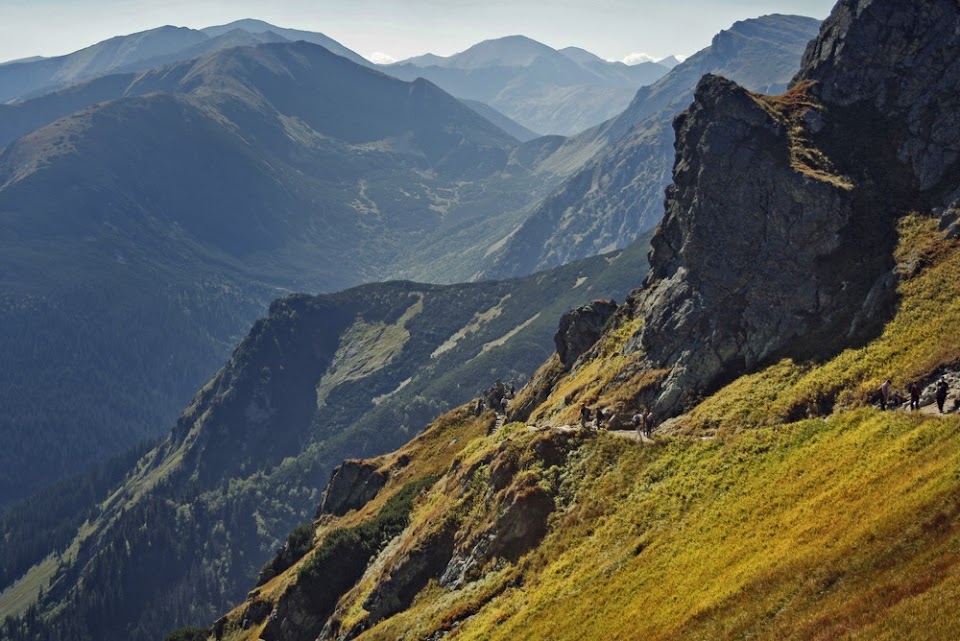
(251, 25)
(508, 51)
(669, 62)
(581, 56)
(260, 27)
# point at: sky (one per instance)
(631, 30)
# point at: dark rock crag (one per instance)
(802, 193)
(580, 329)
(352, 485)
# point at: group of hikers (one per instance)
(642, 421)
(888, 398)
(496, 398)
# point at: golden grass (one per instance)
(837, 527)
(806, 158)
(609, 380)
(453, 435)
(818, 530)
(831, 528)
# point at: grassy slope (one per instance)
(831, 527)
(816, 530)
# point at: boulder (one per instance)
(581, 328)
(352, 485)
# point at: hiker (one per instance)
(584, 415)
(598, 418)
(884, 393)
(648, 423)
(638, 422)
(503, 405)
(914, 390)
(478, 409)
(513, 389)
(615, 419)
(942, 389)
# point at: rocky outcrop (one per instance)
(409, 574)
(352, 485)
(780, 222)
(522, 507)
(580, 329)
(903, 60)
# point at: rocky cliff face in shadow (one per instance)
(780, 223)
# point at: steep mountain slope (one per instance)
(827, 519)
(549, 91)
(349, 374)
(21, 79)
(144, 234)
(618, 193)
(799, 528)
(139, 51)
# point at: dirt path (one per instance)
(627, 434)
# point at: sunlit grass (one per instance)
(796, 532)
(839, 526)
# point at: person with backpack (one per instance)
(637, 420)
(914, 390)
(942, 389)
(584, 416)
(884, 394)
(648, 423)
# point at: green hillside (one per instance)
(356, 373)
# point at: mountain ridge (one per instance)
(358, 371)
(140, 51)
(251, 192)
(774, 503)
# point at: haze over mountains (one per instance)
(275, 168)
(149, 214)
(136, 52)
(272, 168)
(548, 91)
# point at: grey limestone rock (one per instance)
(352, 484)
(580, 329)
(904, 59)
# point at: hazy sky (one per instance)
(613, 29)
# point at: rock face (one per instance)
(902, 58)
(802, 195)
(580, 329)
(352, 485)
